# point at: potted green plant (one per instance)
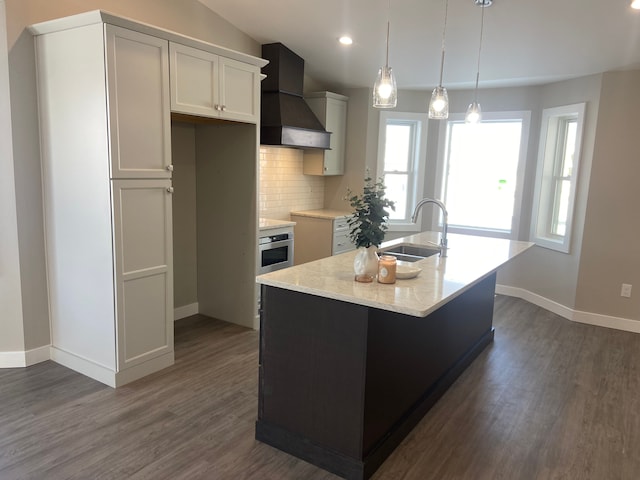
(368, 225)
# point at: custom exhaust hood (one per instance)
(286, 119)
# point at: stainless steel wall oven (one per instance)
(275, 252)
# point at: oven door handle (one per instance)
(272, 245)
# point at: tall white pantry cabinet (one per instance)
(105, 135)
(104, 96)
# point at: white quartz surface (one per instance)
(268, 224)
(469, 260)
(322, 213)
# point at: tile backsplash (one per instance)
(283, 186)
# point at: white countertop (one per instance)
(469, 260)
(322, 213)
(268, 224)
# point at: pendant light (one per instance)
(474, 112)
(439, 104)
(385, 91)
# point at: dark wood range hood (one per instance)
(286, 119)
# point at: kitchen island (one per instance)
(347, 369)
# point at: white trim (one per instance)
(618, 323)
(106, 375)
(442, 167)
(421, 121)
(143, 369)
(185, 311)
(24, 358)
(38, 355)
(578, 316)
(84, 366)
(536, 299)
(12, 359)
(546, 161)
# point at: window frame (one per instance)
(523, 116)
(416, 172)
(546, 192)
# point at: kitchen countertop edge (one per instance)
(470, 259)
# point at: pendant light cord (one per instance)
(444, 32)
(475, 96)
(386, 63)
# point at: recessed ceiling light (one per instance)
(345, 40)
(635, 4)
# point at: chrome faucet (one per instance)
(445, 216)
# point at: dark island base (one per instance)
(341, 384)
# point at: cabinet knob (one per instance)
(223, 108)
(170, 189)
(170, 168)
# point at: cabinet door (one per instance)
(144, 270)
(138, 101)
(331, 110)
(194, 81)
(239, 91)
(313, 238)
(336, 122)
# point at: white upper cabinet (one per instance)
(210, 85)
(331, 110)
(138, 96)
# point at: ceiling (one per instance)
(525, 42)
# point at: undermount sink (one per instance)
(409, 253)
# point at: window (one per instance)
(483, 166)
(557, 174)
(402, 142)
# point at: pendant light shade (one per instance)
(439, 104)
(474, 112)
(385, 90)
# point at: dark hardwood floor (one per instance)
(549, 399)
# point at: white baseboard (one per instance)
(24, 358)
(84, 366)
(618, 323)
(140, 370)
(536, 299)
(186, 311)
(596, 319)
(107, 375)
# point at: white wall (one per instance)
(584, 284)
(611, 251)
(12, 338)
(550, 274)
